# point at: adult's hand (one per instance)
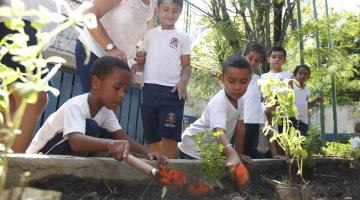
(119, 149)
(115, 52)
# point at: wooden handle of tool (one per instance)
(141, 165)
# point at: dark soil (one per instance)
(329, 181)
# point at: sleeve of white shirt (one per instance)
(217, 115)
(186, 47)
(241, 108)
(74, 120)
(110, 124)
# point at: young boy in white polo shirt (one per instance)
(224, 112)
(87, 123)
(167, 71)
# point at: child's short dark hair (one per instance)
(180, 3)
(253, 46)
(277, 48)
(103, 66)
(237, 61)
(357, 125)
(297, 68)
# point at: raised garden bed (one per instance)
(332, 178)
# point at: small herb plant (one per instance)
(338, 149)
(212, 159)
(35, 66)
(280, 95)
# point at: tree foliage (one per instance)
(231, 24)
(339, 53)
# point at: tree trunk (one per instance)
(278, 7)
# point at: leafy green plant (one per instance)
(212, 159)
(356, 157)
(35, 66)
(281, 96)
(338, 149)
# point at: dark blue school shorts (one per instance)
(162, 113)
(60, 146)
(4, 31)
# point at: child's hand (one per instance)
(246, 160)
(119, 149)
(181, 88)
(232, 161)
(160, 158)
(140, 57)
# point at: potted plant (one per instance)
(31, 81)
(280, 96)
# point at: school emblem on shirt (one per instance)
(174, 43)
(170, 120)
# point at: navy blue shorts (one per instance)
(251, 139)
(84, 70)
(59, 146)
(162, 113)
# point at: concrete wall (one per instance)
(346, 117)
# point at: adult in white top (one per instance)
(71, 117)
(121, 24)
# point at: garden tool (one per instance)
(241, 176)
(171, 178)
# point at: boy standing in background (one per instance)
(167, 70)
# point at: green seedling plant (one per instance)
(212, 158)
(31, 81)
(355, 154)
(280, 95)
(338, 149)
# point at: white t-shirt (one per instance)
(356, 142)
(163, 51)
(302, 97)
(219, 113)
(279, 75)
(71, 117)
(253, 111)
(125, 24)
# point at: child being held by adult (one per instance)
(87, 123)
(224, 112)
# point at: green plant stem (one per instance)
(14, 125)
